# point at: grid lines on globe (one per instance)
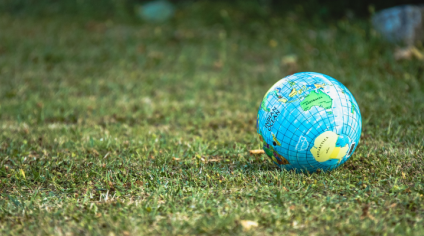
(295, 123)
(351, 122)
(304, 161)
(324, 123)
(353, 132)
(354, 121)
(287, 132)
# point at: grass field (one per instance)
(112, 127)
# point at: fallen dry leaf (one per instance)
(289, 60)
(408, 53)
(248, 224)
(256, 152)
(371, 217)
(95, 152)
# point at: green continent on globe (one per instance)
(269, 150)
(264, 101)
(316, 99)
(277, 158)
(325, 147)
(353, 107)
(263, 106)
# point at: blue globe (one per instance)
(309, 121)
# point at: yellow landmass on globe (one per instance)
(325, 147)
(293, 93)
(319, 85)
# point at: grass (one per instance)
(125, 128)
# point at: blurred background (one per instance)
(101, 9)
(195, 65)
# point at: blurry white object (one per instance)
(156, 11)
(401, 24)
(408, 53)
